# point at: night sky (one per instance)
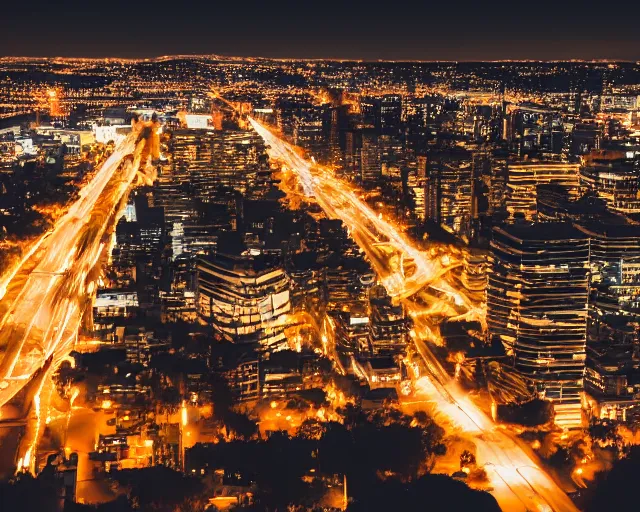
(395, 30)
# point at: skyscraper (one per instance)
(207, 159)
(448, 190)
(615, 281)
(614, 177)
(245, 298)
(390, 112)
(370, 164)
(537, 298)
(308, 130)
(524, 177)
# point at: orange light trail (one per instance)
(44, 297)
(518, 482)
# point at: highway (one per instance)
(422, 281)
(44, 298)
(341, 201)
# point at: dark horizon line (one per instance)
(214, 56)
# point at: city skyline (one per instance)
(319, 284)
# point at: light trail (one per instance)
(8, 276)
(518, 482)
(44, 298)
(340, 200)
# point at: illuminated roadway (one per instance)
(341, 201)
(422, 283)
(44, 298)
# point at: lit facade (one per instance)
(370, 163)
(523, 179)
(308, 129)
(615, 280)
(244, 298)
(537, 298)
(614, 177)
(210, 159)
(448, 193)
(388, 328)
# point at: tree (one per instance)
(29, 494)
(431, 492)
(368, 450)
(467, 459)
(311, 429)
(616, 489)
(161, 489)
(239, 424)
(280, 471)
(605, 432)
(561, 458)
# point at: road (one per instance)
(340, 200)
(422, 281)
(43, 300)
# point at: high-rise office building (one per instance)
(615, 281)
(287, 107)
(210, 159)
(370, 111)
(448, 190)
(352, 142)
(390, 112)
(537, 298)
(416, 185)
(203, 161)
(337, 123)
(423, 111)
(352, 327)
(308, 130)
(384, 114)
(389, 331)
(523, 179)
(245, 298)
(370, 164)
(533, 129)
(615, 177)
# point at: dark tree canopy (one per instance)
(435, 493)
(617, 489)
(367, 450)
(29, 494)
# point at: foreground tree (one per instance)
(161, 489)
(29, 494)
(616, 489)
(436, 493)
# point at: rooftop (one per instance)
(542, 232)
